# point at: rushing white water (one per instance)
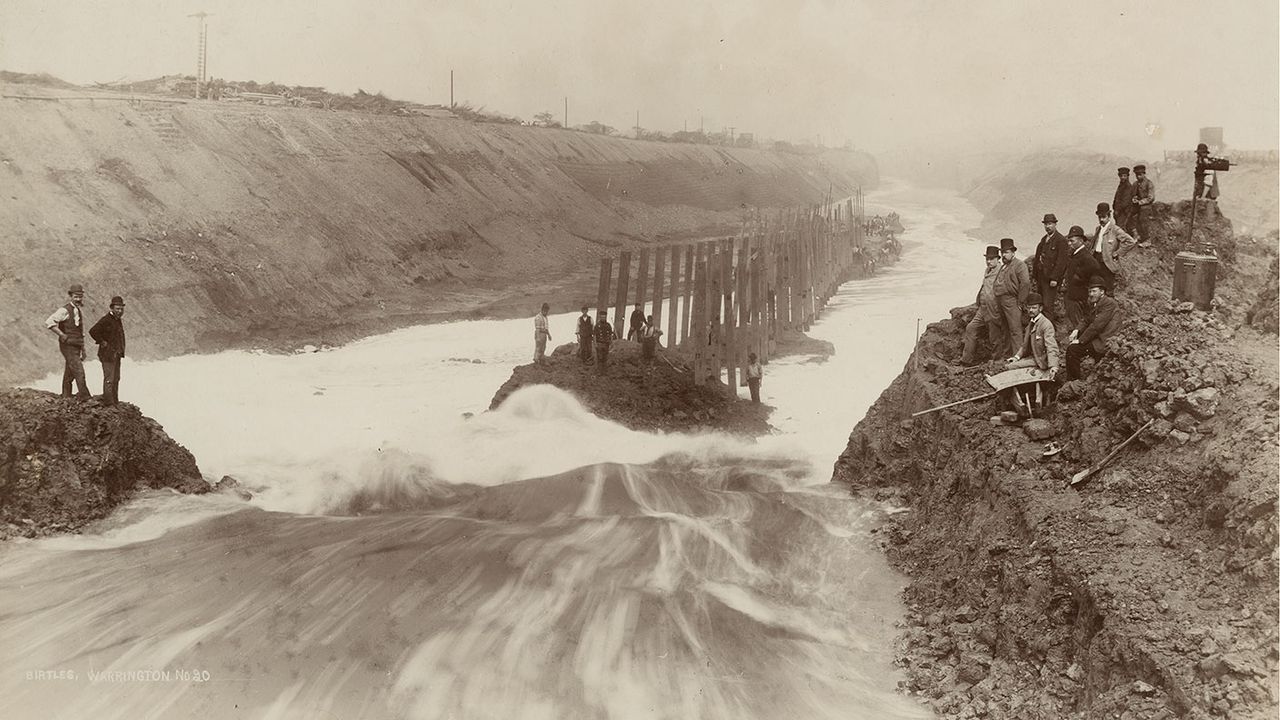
(400, 560)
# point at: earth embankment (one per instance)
(1148, 591)
(231, 224)
(66, 462)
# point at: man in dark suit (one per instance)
(109, 334)
(1122, 202)
(1081, 267)
(1100, 323)
(1049, 263)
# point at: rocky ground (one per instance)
(1148, 591)
(658, 395)
(66, 462)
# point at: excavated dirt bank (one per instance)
(1148, 591)
(229, 225)
(66, 462)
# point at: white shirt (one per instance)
(60, 315)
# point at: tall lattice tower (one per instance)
(202, 58)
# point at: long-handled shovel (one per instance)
(1085, 474)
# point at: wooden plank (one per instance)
(698, 340)
(659, 262)
(698, 251)
(742, 273)
(602, 294)
(714, 304)
(642, 279)
(620, 304)
(730, 316)
(673, 318)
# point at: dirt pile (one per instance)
(656, 395)
(1148, 591)
(66, 462)
(229, 224)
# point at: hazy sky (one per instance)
(880, 73)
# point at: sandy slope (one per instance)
(232, 224)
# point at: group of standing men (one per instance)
(67, 322)
(1085, 270)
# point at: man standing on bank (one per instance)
(67, 322)
(1122, 201)
(1100, 323)
(109, 334)
(1039, 343)
(1049, 263)
(755, 373)
(1081, 267)
(604, 340)
(585, 333)
(636, 324)
(541, 334)
(988, 314)
(1107, 238)
(1144, 193)
(1012, 285)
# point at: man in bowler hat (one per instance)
(1049, 263)
(67, 322)
(109, 334)
(1012, 285)
(1107, 240)
(1039, 342)
(1144, 193)
(1100, 323)
(1081, 267)
(988, 311)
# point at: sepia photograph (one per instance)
(573, 360)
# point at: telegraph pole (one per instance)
(202, 50)
(566, 112)
(451, 105)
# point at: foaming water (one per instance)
(400, 559)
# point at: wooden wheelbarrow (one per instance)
(1022, 380)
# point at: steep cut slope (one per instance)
(230, 224)
(1148, 591)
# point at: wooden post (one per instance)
(694, 252)
(642, 278)
(714, 304)
(659, 265)
(620, 305)
(673, 318)
(729, 316)
(744, 335)
(698, 341)
(602, 294)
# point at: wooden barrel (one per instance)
(1194, 278)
